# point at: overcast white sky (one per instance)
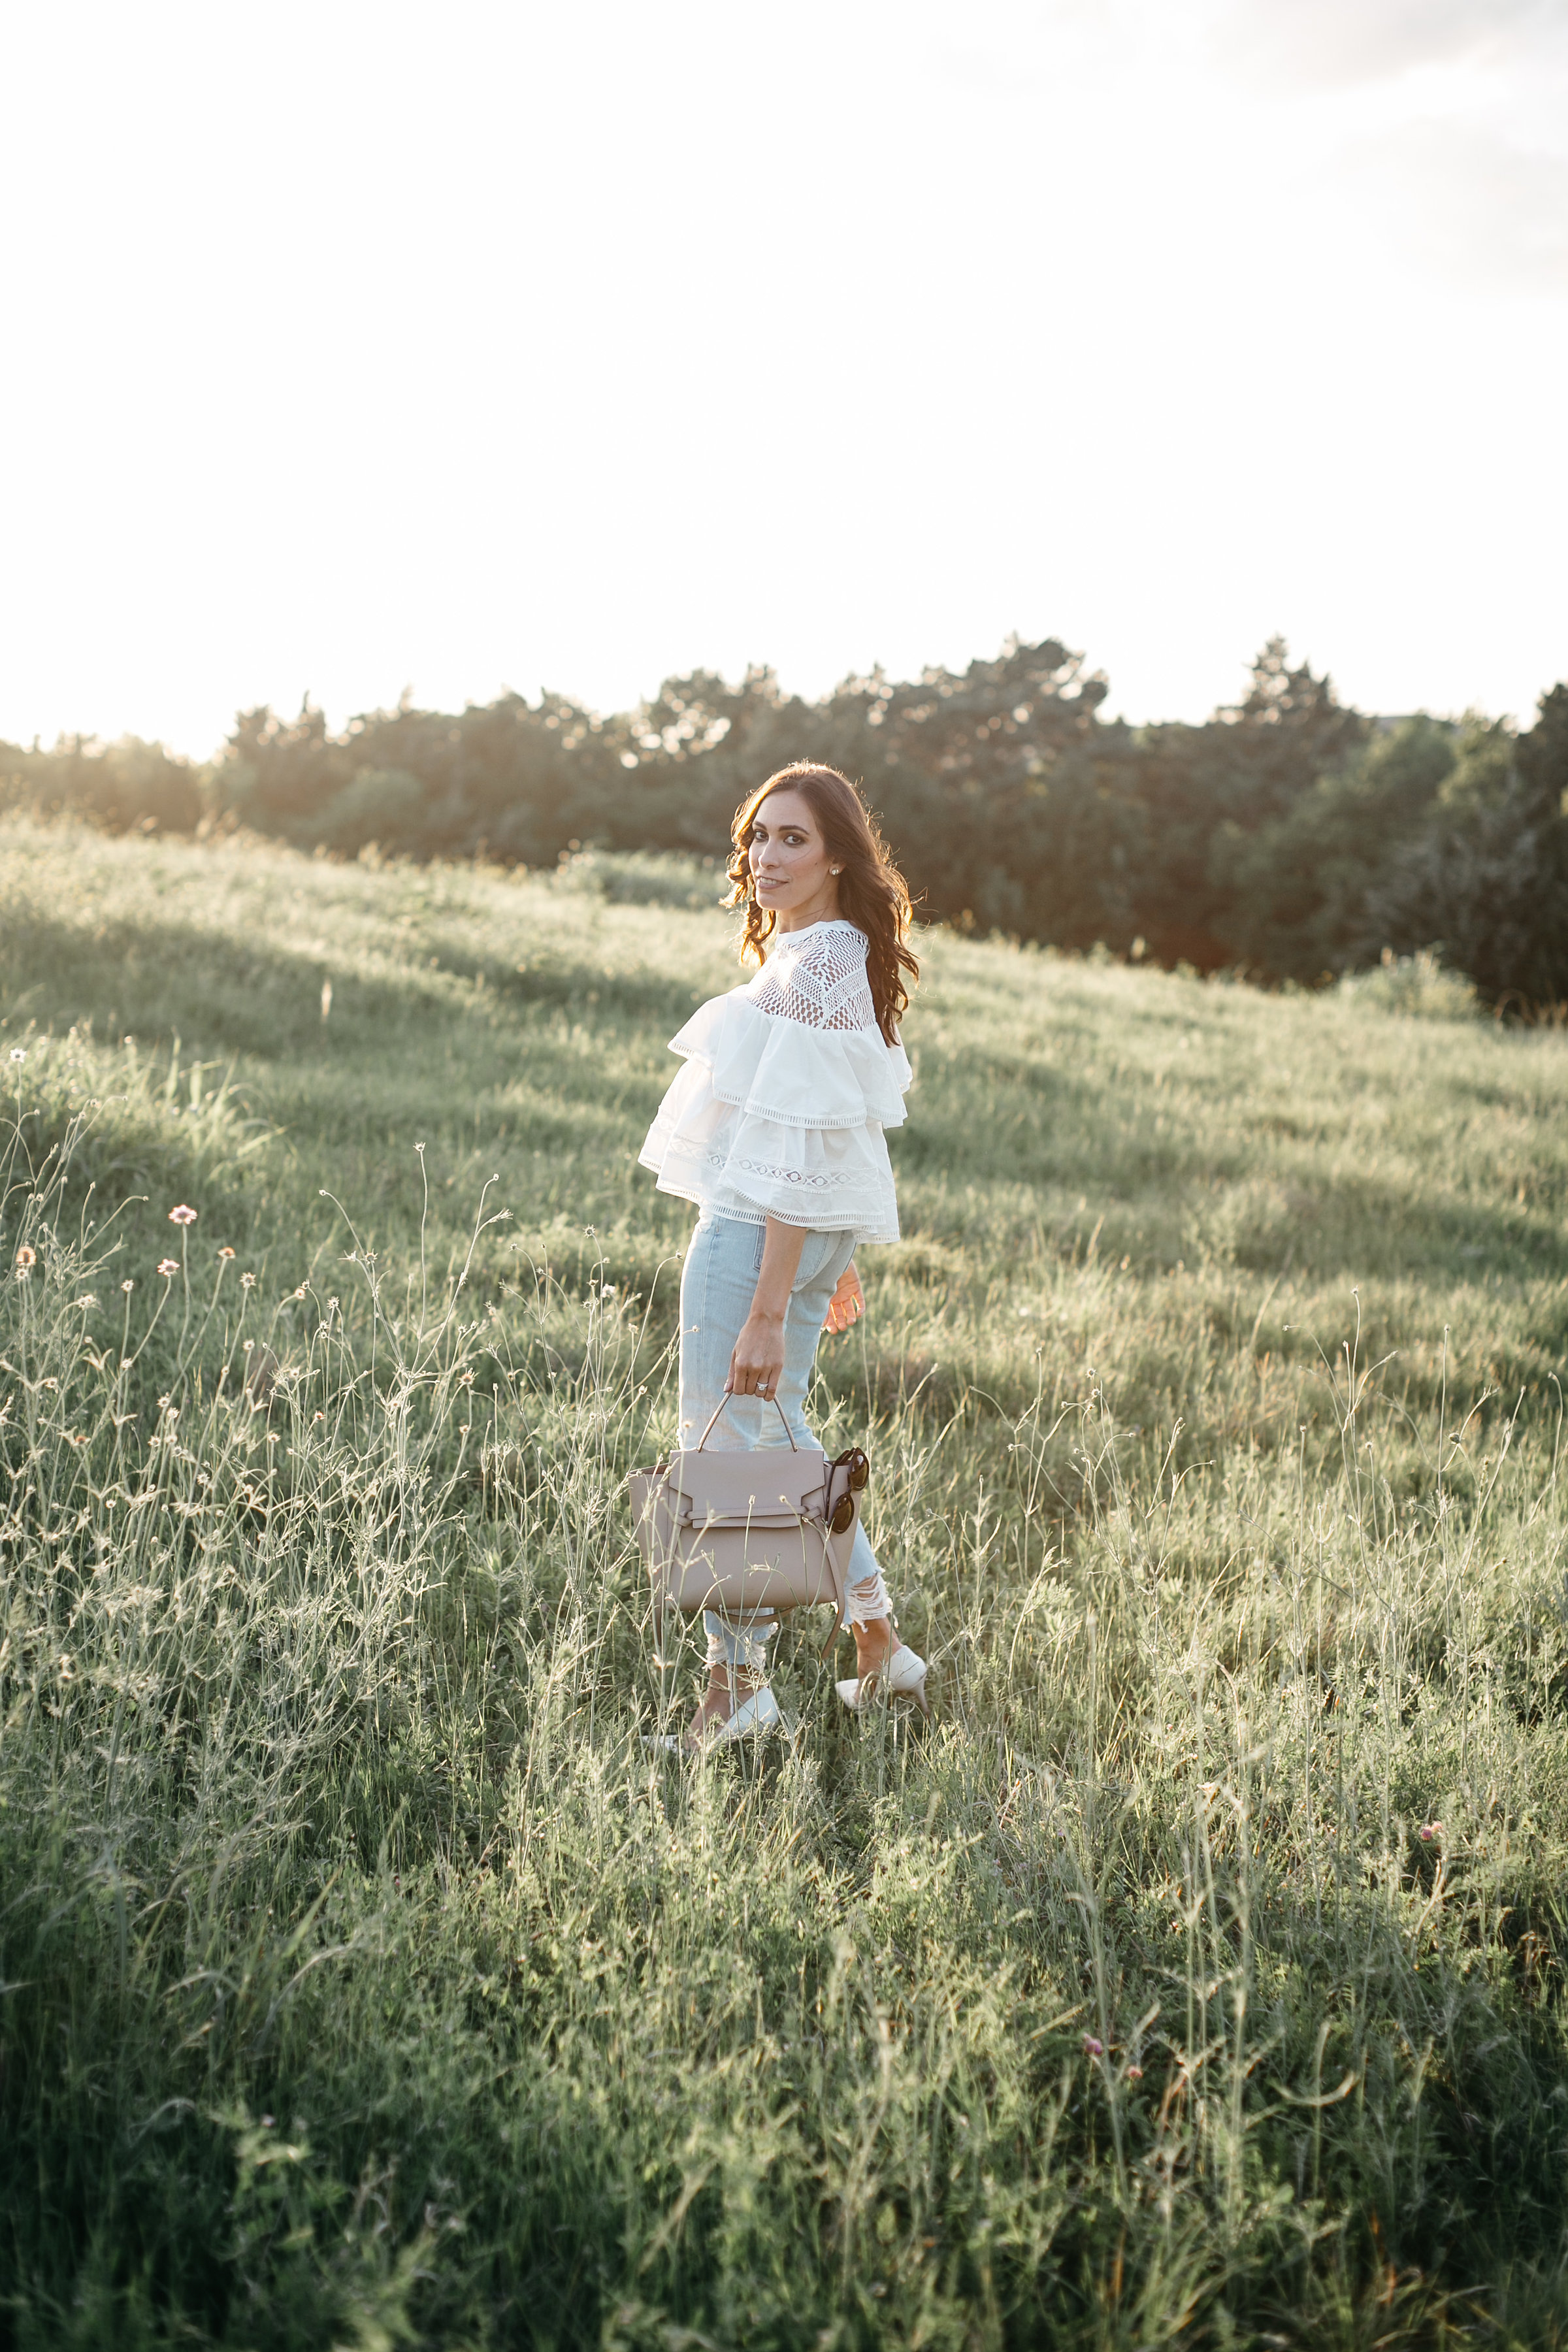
(349, 348)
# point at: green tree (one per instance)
(277, 774)
(1204, 790)
(1488, 882)
(118, 786)
(1298, 886)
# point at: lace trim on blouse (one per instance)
(799, 1180)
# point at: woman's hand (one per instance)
(758, 1355)
(847, 1303)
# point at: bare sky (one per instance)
(352, 346)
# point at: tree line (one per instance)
(1289, 837)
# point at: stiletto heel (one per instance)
(903, 1676)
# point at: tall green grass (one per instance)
(1197, 1975)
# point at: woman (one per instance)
(773, 1128)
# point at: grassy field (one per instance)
(1196, 1977)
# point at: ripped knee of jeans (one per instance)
(865, 1601)
(742, 1642)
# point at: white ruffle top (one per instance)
(786, 1087)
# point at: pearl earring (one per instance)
(839, 869)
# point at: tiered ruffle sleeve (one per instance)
(786, 1088)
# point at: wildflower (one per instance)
(226, 1251)
(1091, 2048)
(19, 1053)
(168, 1265)
(1135, 2074)
(27, 1257)
(1428, 1831)
(247, 1282)
(300, 1292)
(87, 1298)
(128, 1286)
(181, 1215)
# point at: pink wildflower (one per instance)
(168, 1265)
(1091, 2048)
(181, 1215)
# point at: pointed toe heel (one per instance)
(753, 1718)
(903, 1676)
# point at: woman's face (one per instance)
(789, 860)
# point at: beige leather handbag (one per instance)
(771, 1528)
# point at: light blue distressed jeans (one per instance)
(717, 1287)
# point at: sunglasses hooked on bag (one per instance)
(771, 1528)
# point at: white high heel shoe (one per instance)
(903, 1676)
(759, 1713)
(755, 1716)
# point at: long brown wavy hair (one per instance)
(871, 892)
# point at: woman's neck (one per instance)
(823, 910)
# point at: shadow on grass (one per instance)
(247, 995)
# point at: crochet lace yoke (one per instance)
(817, 977)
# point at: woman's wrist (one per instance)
(780, 1264)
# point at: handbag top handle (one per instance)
(724, 1401)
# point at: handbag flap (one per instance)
(763, 1483)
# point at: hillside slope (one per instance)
(1198, 1974)
(1091, 1151)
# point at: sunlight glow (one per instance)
(353, 348)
